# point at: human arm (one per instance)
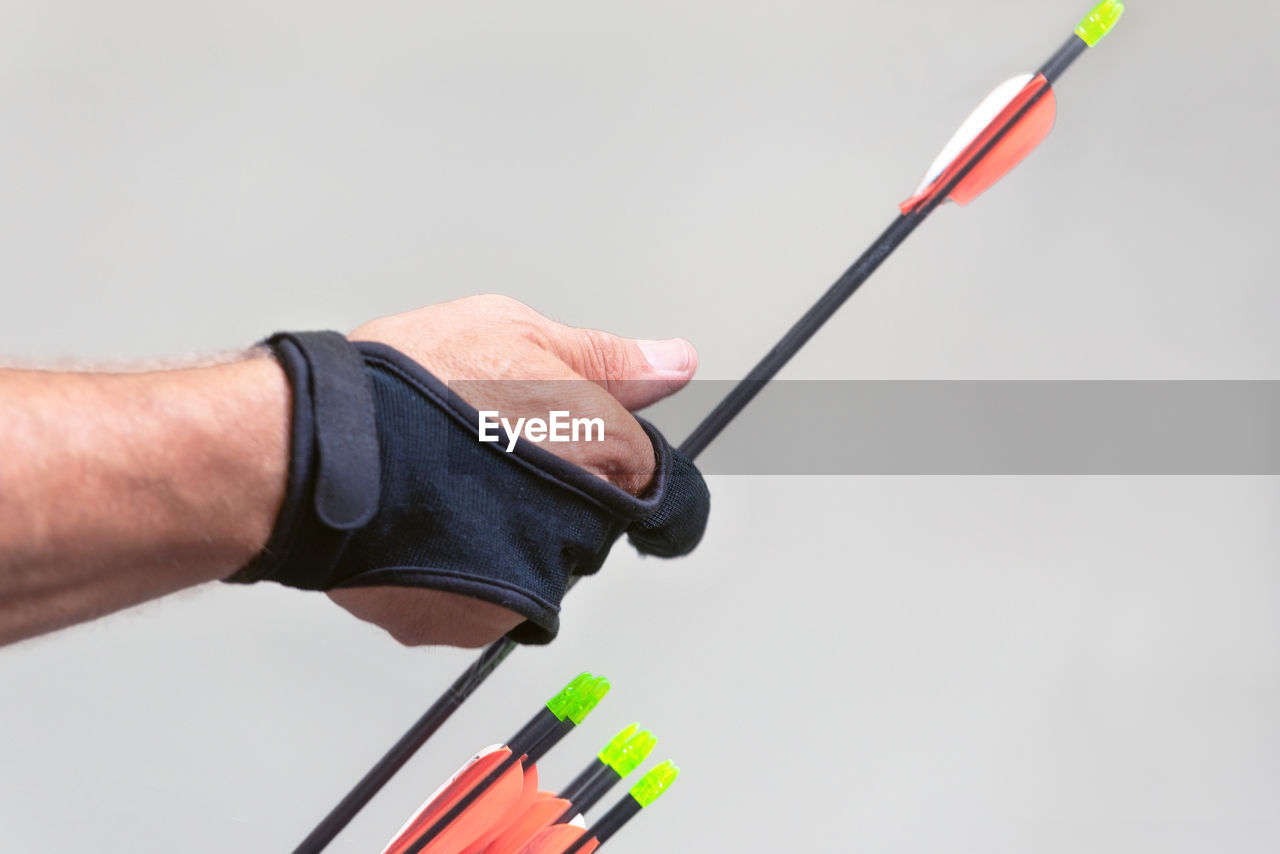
(119, 488)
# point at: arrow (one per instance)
(622, 755)
(1017, 117)
(465, 811)
(572, 839)
(980, 163)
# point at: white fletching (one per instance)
(974, 125)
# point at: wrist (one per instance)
(251, 462)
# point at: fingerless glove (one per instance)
(388, 485)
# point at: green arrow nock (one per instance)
(628, 749)
(589, 698)
(1099, 22)
(562, 703)
(579, 697)
(653, 784)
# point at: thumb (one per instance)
(637, 372)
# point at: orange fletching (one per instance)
(499, 813)
(538, 816)
(476, 822)
(1018, 141)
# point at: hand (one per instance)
(498, 338)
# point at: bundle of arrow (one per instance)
(492, 804)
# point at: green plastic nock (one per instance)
(563, 703)
(653, 784)
(628, 749)
(1099, 22)
(592, 692)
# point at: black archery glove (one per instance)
(388, 485)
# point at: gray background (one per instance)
(871, 663)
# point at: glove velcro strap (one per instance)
(348, 471)
(335, 468)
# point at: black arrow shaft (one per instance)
(587, 789)
(416, 736)
(710, 427)
(609, 824)
(799, 334)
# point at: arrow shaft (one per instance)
(584, 782)
(1060, 61)
(609, 824)
(800, 333)
(587, 789)
(400, 753)
(710, 427)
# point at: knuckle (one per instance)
(626, 460)
(602, 355)
(502, 306)
(536, 334)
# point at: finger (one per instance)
(637, 372)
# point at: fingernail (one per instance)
(670, 356)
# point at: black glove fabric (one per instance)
(389, 486)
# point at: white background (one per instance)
(876, 664)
